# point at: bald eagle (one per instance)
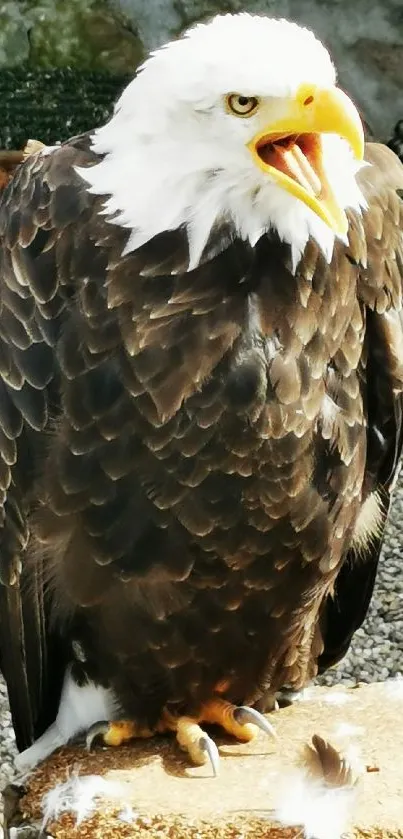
(201, 358)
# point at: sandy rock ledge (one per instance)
(148, 789)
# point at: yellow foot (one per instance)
(116, 732)
(241, 722)
(199, 746)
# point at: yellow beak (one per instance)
(290, 148)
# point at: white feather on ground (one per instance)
(319, 796)
(79, 795)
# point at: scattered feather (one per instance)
(324, 763)
(319, 796)
(127, 815)
(77, 795)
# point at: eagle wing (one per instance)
(376, 246)
(41, 210)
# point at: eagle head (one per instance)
(239, 120)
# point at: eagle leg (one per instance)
(116, 732)
(200, 747)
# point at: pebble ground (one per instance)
(375, 654)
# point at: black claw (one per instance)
(96, 730)
(206, 744)
(244, 715)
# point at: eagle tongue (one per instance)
(296, 165)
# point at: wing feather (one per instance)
(35, 208)
(377, 245)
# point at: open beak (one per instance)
(290, 149)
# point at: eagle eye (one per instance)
(242, 106)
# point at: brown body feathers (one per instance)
(186, 456)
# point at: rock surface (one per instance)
(15, 23)
(366, 40)
(266, 789)
(88, 34)
(82, 34)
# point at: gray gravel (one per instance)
(375, 654)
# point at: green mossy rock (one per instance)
(84, 34)
(15, 23)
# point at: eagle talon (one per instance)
(244, 715)
(199, 746)
(241, 721)
(208, 747)
(98, 729)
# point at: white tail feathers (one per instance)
(51, 740)
(80, 706)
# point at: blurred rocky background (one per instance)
(62, 62)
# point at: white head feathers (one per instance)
(175, 157)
